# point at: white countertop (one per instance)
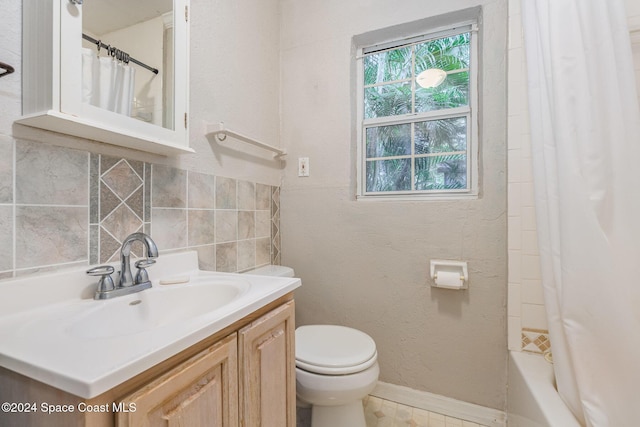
(44, 333)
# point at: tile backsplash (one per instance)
(60, 207)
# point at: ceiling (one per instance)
(104, 16)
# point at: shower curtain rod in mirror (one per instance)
(117, 53)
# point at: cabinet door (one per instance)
(202, 391)
(267, 376)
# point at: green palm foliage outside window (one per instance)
(415, 138)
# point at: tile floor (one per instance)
(384, 413)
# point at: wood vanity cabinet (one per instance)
(202, 391)
(267, 376)
(244, 375)
(246, 379)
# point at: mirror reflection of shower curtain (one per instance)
(168, 75)
(107, 83)
(585, 124)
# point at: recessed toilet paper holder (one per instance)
(447, 267)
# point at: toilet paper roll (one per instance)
(449, 280)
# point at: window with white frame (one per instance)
(417, 116)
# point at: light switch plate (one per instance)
(303, 166)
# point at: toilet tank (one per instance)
(272, 270)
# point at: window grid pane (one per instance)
(452, 93)
(419, 156)
(429, 154)
(439, 136)
(390, 65)
(388, 141)
(388, 100)
(390, 77)
(444, 172)
(447, 53)
(389, 175)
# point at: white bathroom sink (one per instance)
(155, 308)
(52, 330)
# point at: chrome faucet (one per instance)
(127, 284)
(126, 279)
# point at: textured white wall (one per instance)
(235, 79)
(365, 264)
(633, 11)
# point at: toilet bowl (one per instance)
(336, 367)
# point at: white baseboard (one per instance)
(441, 404)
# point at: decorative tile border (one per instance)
(118, 209)
(535, 340)
(275, 226)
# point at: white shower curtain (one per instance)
(585, 130)
(107, 83)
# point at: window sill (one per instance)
(417, 197)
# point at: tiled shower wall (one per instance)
(527, 324)
(60, 207)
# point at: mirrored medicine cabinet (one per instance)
(114, 71)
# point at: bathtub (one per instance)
(532, 399)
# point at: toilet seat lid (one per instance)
(333, 349)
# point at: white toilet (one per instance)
(336, 367)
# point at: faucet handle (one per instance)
(145, 263)
(106, 282)
(142, 275)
